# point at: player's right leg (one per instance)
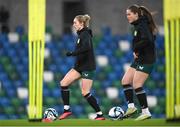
(127, 81)
(69, 78)
(87, 81)
(138, 82)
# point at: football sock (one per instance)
(66, 107)
(65, 95)
(99, 113)
(128, 92)
(145, 111)
(141, 95)
(131, 105)
(99, 116)
(93, 102)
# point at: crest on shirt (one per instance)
(78, 41)
(135, 33)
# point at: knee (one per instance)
(137, 84)
(125, 81)
(84, 93)
(63, 83)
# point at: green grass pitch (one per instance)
(91, 123)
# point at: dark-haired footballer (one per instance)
(144, 59)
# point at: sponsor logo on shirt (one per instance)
(86, 75)
(135, 33)
(141, 67)
(78, 41)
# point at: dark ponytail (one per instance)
(143, 11)
(147, 13)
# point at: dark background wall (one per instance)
(103, 13)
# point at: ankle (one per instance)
(131, 105)
(99, 115)
(145, 111)
(67, 110)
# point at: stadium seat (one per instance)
(46, 92)
(4, 102)
(9, 110)
(56, 93)
(16, 102)
(50, 101)
(77, 110)
(19, 29)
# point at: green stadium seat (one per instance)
(161, 84)
(2, 93)
(96, 40)
(151, 85)
(47, 62)
(161, 68)
(52, 85)
(161, 101)
(108, 69)
(74, 100)
(26, 84)
(76, 93)
(100, 93)
(50, 101)
(21, 110)
(117, 84)
(118, 53)
(101, 76)
(161, 53)
(16, 102)
(4, 60)
(158, 109)
(13, 75)
(8, 68)
(57, 77)
(88, 109)
(24, 38)
(96, 85)
(106, 102)
(9, 110)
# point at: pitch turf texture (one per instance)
(91, 123)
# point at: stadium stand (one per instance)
(113, 55)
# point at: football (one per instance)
(116, 113)
(50, 114)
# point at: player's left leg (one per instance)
(86, 87)
(138, 81)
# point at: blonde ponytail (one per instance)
(84, 19)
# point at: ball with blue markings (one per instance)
(116, 113)
(51, 114)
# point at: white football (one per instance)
(51, 114)
(116, 113)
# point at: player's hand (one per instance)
(135, 55)
(69, 53)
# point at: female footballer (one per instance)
(143, 47)
(83, 69)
